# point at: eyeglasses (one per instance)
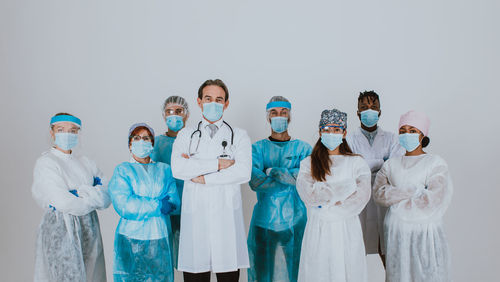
(72, 130)
(332, 129)
(146, 138)
(178, 111)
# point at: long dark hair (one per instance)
(321, 162)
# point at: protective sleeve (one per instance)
(357, 201)
(187, 169)
(98, 195)
(433, 199)
(172, 192)
(375, 164)
(386, 194)
(288, 176)
(312, 192)
(126, 203)
(50, 189)
(260, 181)
(240, 172)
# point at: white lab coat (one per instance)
(332, 247)
(212, 236)
(69, 244)
(417, 190)
(385, 146)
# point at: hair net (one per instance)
(175, 100)
(134, 126)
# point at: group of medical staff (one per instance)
(320, 210)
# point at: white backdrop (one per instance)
(112, 63)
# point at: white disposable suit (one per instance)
(417, 190)
(332, 247)
(69, 244)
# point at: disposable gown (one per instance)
(333, 248)
(385, 146)
(143, 249)
(279, 217)
(162, 152)
(417, 190)
(69, 244)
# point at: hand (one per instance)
(74, 192)
(224, 163)
(185, 156)
(97, 181)
(166, 206)
(338, 203)
(200, 179)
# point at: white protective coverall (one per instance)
(417, 190)
(69, 244)
(332, 247)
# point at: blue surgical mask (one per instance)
(332, 140)
(213, 111)
(141, 149)
(409, 141)
(175, 123)
(369, 118)
(66, 141)
(279, 124)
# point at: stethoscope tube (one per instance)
(199, 136)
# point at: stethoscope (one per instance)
(224, 143)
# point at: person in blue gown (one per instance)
(279, 217)
(175, 114)
(144, 194)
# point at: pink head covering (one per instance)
(416, 119)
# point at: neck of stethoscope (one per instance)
(224, 122)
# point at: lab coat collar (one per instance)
(379, 131)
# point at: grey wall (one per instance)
(112, 63)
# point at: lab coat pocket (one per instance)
(233, 199)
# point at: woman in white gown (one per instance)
(417, 189)
(335, 186)
(70, 188)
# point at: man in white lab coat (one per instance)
(376, 146)
(213, 159)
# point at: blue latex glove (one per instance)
(97, 181)
(166, 206)
(74, 192)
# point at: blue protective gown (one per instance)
(279, 217)
(143, 236)
(162, 152)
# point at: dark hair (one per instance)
(321, 162)
(136, 130)
(216, 82)
(425, 141)
(371, 95)
(60, 114)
